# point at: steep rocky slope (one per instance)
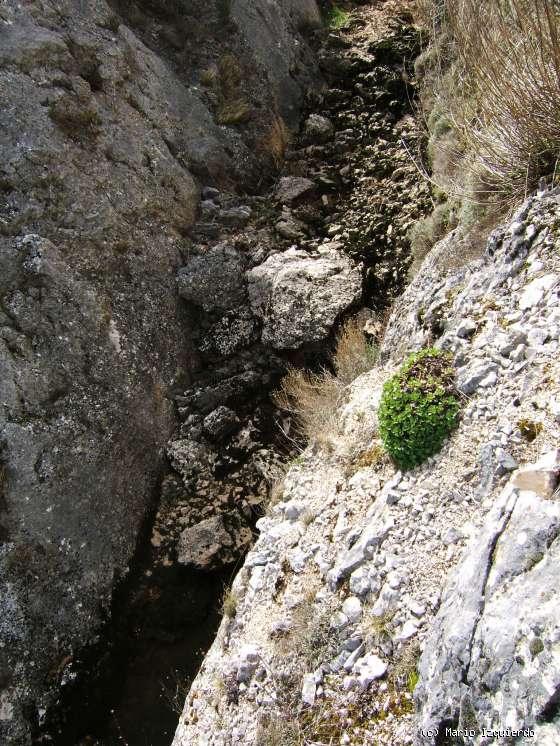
(367, 584)
(108, 135)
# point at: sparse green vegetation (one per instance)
(335, 17)
(427, 232)
(404, 675)
(419, 408)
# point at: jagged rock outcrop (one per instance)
(299, 296)
(107, 137)
(359, 568)
(491, 658)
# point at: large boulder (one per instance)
(298, 295)
(213, 542)
(492, 657)
(215, 281)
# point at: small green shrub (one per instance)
(419, 408)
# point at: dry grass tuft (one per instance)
(229, 603)
(233, 107)
(276, 141)
(404, 674)
(234, 112)
(279, 731)
(354, 354)
(377, 629)
(208, 77)
(314, 398)
(501, 93)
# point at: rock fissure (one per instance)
(490, 551)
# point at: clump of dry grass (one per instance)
(174, 691)
(314, 398)
(501, 93)
(279, 731)
(276, 140)
(354, 354)
(404, 674)
(233, 107)
(229, 603)
(208, 77)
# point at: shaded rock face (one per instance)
(105, 140)
(213, 541)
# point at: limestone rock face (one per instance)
(298, 296)
(493, 650)
(105, 145)
(447, 573)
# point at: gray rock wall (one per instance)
(106, 138)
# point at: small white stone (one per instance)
(359, 582)
(416, 608)
(534, 292)
(466, 328)
(308, 690)
(408, 630)
(339, 620)
(352, 608)
(369, 668)
(518, 354)
(292, 510)
(489, 381)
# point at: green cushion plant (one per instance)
(419, 408)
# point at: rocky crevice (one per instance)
(270, 277)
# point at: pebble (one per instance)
(352, 608)
(308, 689)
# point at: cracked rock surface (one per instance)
(362, 576)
